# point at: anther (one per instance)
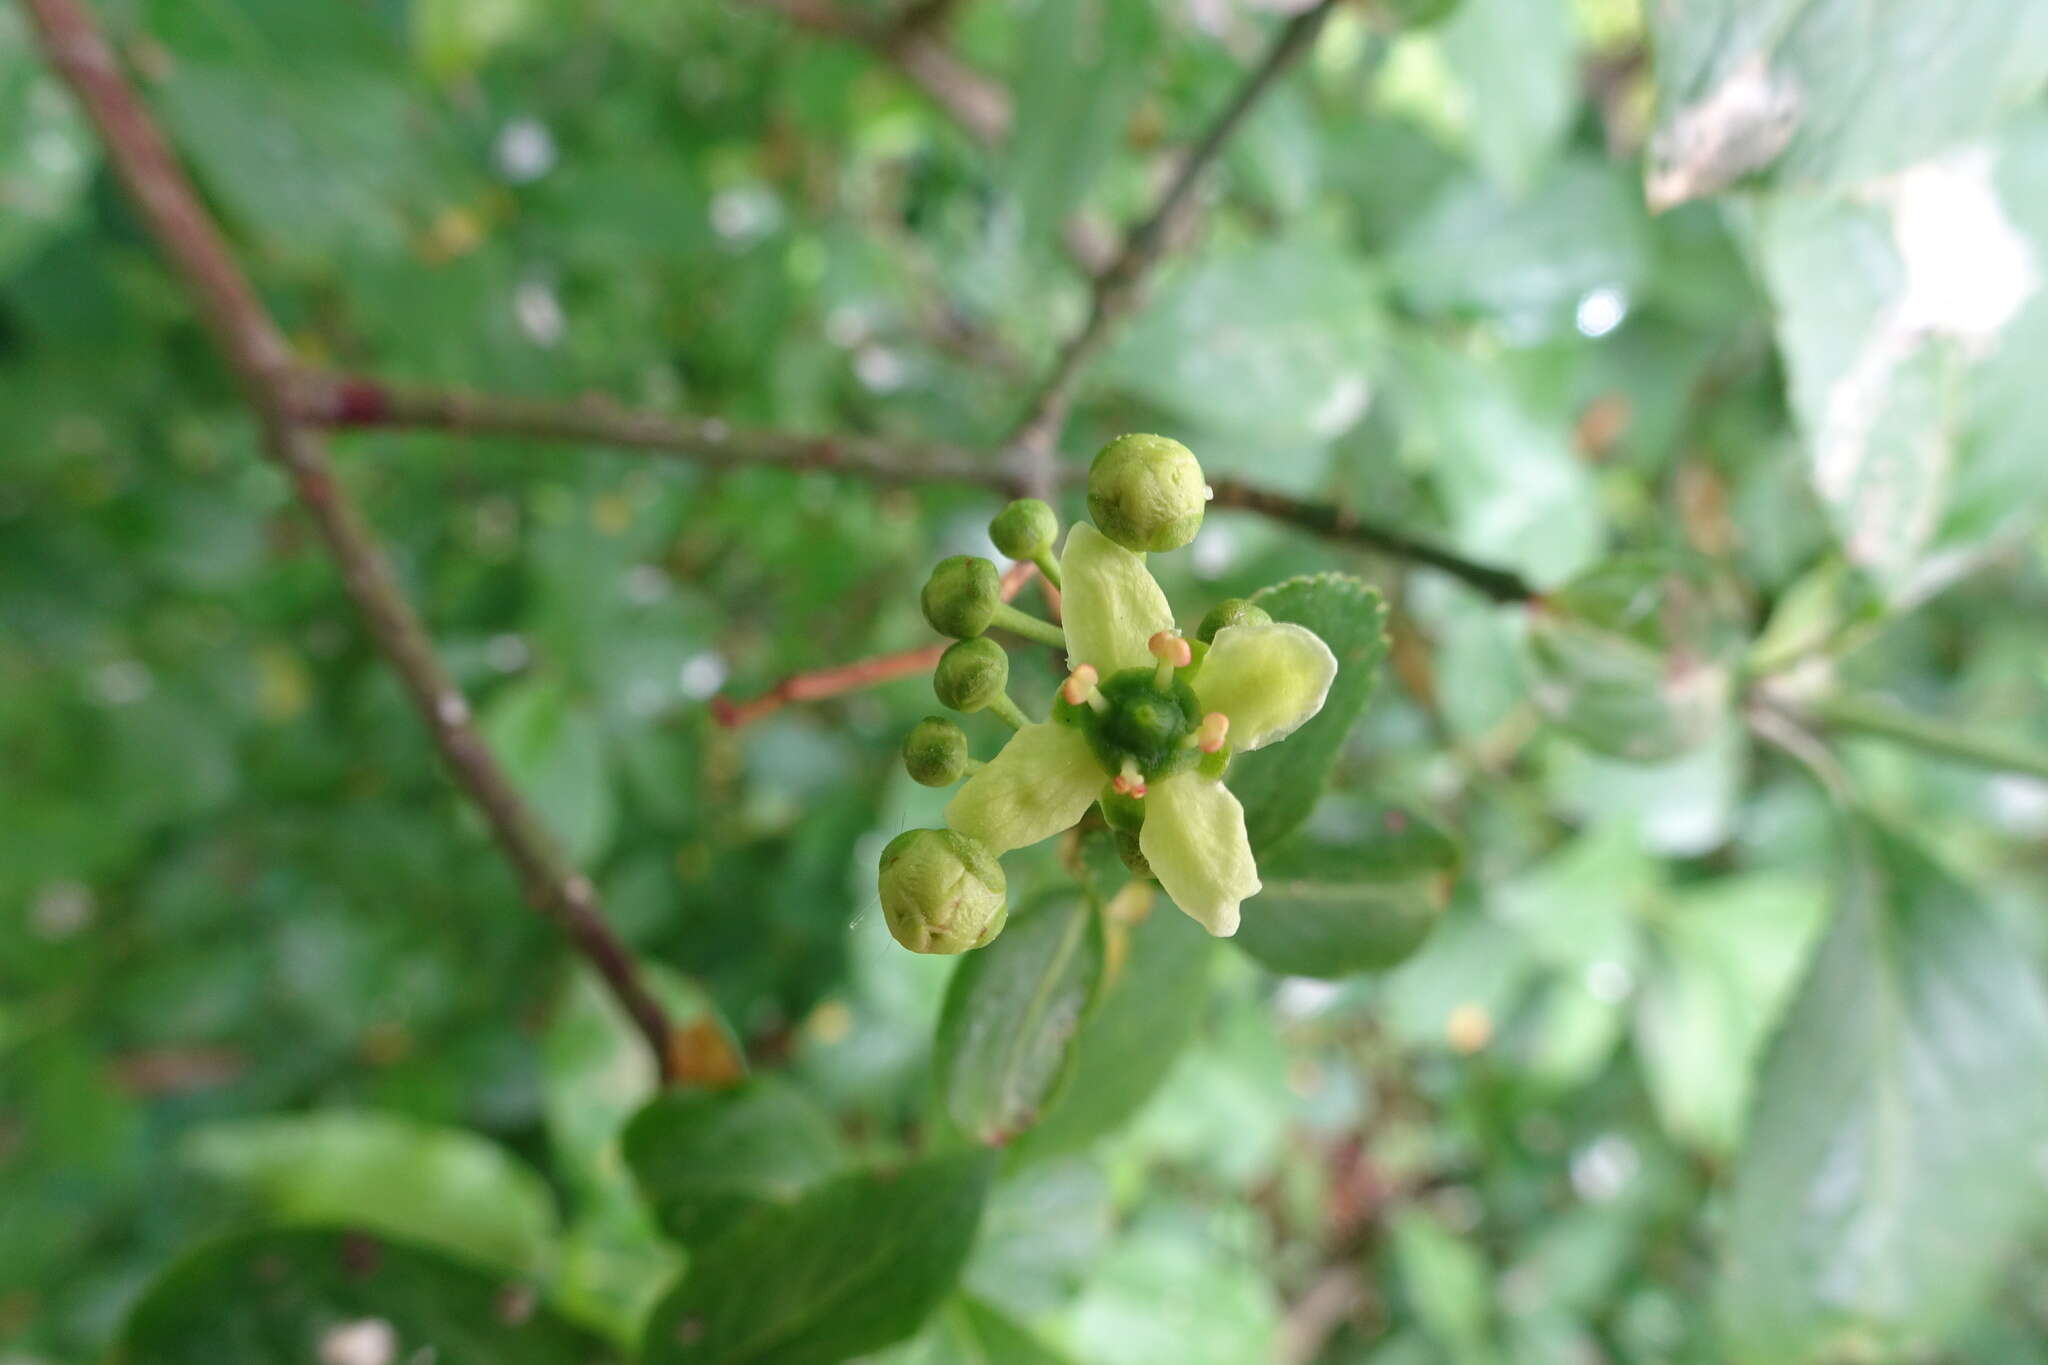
(1211, 733)
(1130, 782)
(1080, 685)
(1173, 652)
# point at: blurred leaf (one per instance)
(854, 1265)
(263, 1297)
(1528, 263)
(1448, 1284)
(1899, 1113)
(1167, 1293)
(438, 1187)
(453, 37)
(1362, 898)
(555, 752)
(1006, 1035)
(967, 1331)
(47, 157)
(1079, 75)
(1722, 960)
(1635, 658)
(1831, 91)
(1517, 62)
(1909, 316)
(1280, 784)
(1276, 340)
(706, 1159)
(1150, 1000)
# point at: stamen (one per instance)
(1130, 782)
(1080, 686)
(1172, 652)
(1213, 731)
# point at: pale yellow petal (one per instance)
(1195, 841)
(1109, 604)
(1041, 783)
(1269, 679)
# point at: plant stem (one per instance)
(1883, 720)
(1008, 711)
(1030, 627)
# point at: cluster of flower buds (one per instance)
(1144, 724)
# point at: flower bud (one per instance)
(935, 753)
(942, 892)
(1146, 493)
(961, 596)
(1025, 529)
(1235, 611)
(971, 674)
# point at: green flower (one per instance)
(1146, 727)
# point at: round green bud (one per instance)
(942, 892)
(1147, 493)
(971, 674)
(935, 752)
(1025, 529)
(961, 596)
(1233, 612)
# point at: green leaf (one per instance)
(1148, 1008)
(706, 1159)
(1006, 1035)
(1079, 76)
(555, 750)
(1909, 316)
(1833, 92)
(438, 1187)
(1894, 1155)
(300, 1294)
(1527, 263)
(1279, 784)
(1518, 65)
(851, 1267)
(47, 157)
(1635, 658)
(1275, 340)
(1357, 898)
(1722, 960)
(967, 1331)
(1448, 1285)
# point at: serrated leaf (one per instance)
(1149, 1004)
(1279, 784)
(304, 1294)
(434, 1186)
(704, 1160)
(1895, 1152)
(853, 1266)
(1006, 1035)
(1357, 899)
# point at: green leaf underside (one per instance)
(1900, 1115)
(853, 1266)
(1333, 906)
(1279, 785)
(703, 1159)
(263, 1297)
(1006, 1035)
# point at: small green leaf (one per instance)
(1006, 1035)
(555, 751)
(1148, 1009)
(1635, 657)
(853, 1266)
(1337, 905)
(301, 1294)
(1448, 1284)
(1280, 783)
(438, 1187)
(1893, 1159)
(706, 1159)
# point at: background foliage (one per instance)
(1694, 1063)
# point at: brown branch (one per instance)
(1117, 288)
(913, 45)
(853, 677)
(255, 353)
(345, 401)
